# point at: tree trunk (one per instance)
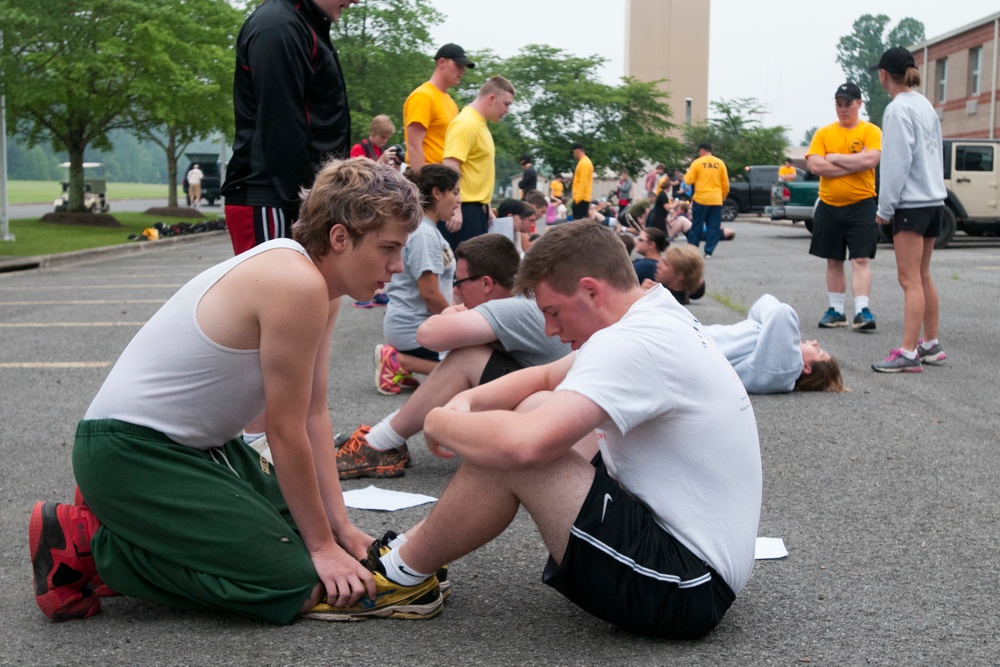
(171, 152)
(76, 178)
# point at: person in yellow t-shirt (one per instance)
(710, 179)
(786, 172)
(844, 155)
(429, 109)
(556, 186)
(583, 182)
(469, 150)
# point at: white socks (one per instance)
(837, 301)
(400, 572)
(860, 303)
(383, 438)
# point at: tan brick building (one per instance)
(958, 71)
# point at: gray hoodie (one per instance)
(912, 171)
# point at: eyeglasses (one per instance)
(465, 280)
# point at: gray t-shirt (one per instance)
(425, 250)
(520, 328)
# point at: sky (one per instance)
(781, 52)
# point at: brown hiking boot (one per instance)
(356, 459)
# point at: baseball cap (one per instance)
(849, 91)
(454, 52)
(895, 61)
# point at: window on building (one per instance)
(975, 67)
(974, 158)
(942, 79)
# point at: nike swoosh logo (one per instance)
(407, 572)
(607, 499)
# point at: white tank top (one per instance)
(172, 378)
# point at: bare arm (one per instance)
(415, 133)
(855, 162)
(455, 223)
(430, 292)
(453, 330)
(820, 166)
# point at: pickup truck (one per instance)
(750, 192)
(971, 178)
(211, 183)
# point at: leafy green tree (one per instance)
(808, 136)
(737, 137)
(191, 95)
(386, 51)
(862, 49)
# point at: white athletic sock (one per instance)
(928, 344)
(397, 542)
(860, 303)
(909, 354)
(837, 301)
(400, 572)
(383, 438)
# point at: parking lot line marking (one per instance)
(41, 325)
(43, 288)
(80, 302)
(55, 364)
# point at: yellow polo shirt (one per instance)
(710, 178)
(834, 138)
(583, 180)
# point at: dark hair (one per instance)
(509, 207)
(576, 144)
(536, 198)
(573, 250)
(432, 176)
(824, 376)
(629, 242)
(657, 238)
(705, 147)
(359, 194)
(492, 255)
(524, 159)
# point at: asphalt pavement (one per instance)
(884, 496)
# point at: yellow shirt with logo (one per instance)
(710, 178)
(583, 180)
(556, 189)
(434, 110)
(787, 171)
(469, 141)
(834, 138)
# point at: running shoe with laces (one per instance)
(364, 304)
(61, 562)
(932, 355)
(380, 299)
(381, 547)
(355, 458)
(392, 600)
(389, 375)
(831, 319)
(897, 362)
(864, 321)
(100, 588)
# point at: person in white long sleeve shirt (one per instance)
(911, 199)
(767, 351)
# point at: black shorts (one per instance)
(581, 210)
(422, 353)
(925, 220)
(499, 364)
(837, 229)
(475, 222)
(622, 567)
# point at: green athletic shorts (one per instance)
(191, 528)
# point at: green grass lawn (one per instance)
(45, 238)
(41, 192)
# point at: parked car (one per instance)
(971, 178)
(95, 198)
(211, 183)
(751, 191)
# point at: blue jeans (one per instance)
(706, 224)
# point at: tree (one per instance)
(808, 136)
(191, 95)
(385, 50)
(862, 49)
(737, 138)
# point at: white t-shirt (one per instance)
(681, 435)
(194, 177)
(425, 250)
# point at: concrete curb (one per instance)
(10, 264)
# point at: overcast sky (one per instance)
(782, 52)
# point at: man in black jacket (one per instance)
(291, 115)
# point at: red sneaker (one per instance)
(62, 565)
(96, 583)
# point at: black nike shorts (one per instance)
(622, 567)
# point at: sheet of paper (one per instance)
(373, 498)
(768, 548)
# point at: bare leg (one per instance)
(416, 365)
(836, 278)
(931, 308)
(909, 248)
(861, 277)
(460, 370)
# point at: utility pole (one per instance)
(5, 234)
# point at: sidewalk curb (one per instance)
(11, 264)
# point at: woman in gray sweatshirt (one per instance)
(911, 199)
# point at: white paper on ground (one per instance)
(372, 498)
(768, 548)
